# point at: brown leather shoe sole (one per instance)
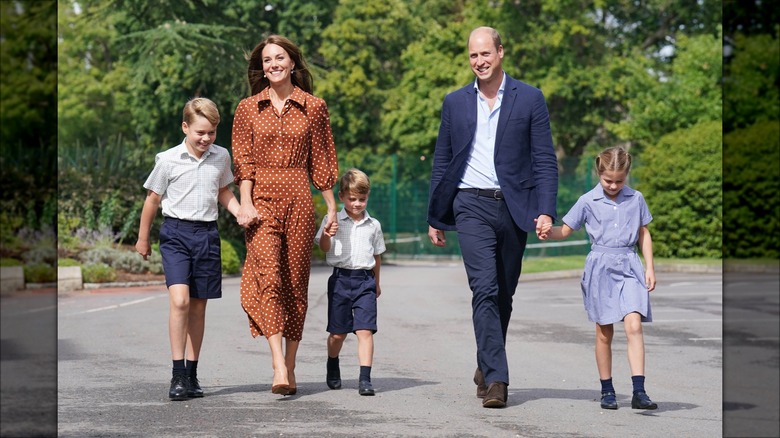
(496, 396)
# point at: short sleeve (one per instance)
(575, 218)
(379, 239)
(225, 173)
(644, 212)
(160, 176)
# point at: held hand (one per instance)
(543, 226)
(543, 229)
(331, 227)
(143, 248)
(436, 236)
(247, 216)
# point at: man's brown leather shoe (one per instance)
(479, 380)
(496, 395)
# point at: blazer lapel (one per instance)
(469, 102)
(507, 104)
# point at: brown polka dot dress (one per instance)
(281, 153)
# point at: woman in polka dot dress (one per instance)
(281, 141)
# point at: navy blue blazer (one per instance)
(525, 160)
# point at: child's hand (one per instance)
(331, 229)
(543, 230)
(650, 280)
(144, 248)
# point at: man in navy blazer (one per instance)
(494, 179)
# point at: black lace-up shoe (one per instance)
(194, 389)
(179, 387)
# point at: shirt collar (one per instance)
(183, 152)
(342, 215)
(298, 96)
(500, 88)
(598, 192)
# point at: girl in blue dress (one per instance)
(615, 287)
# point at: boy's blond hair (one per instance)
(200, 106)
(354, 180)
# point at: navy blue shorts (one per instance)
(191, 255)
(351, 301)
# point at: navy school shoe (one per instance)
(642, 401)
(365, 388)
(608, 400)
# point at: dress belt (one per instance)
(613, 250)
(487, 193)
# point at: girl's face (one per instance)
(200, 135)
(354, 204)
(277, 64)
(612, 182)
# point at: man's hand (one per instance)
(436, 236)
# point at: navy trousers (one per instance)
(492, 247)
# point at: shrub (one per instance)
(681, 181)
(40, 273)
(230, 261)
(66, 262)
(7, 262)
(98, 273)
(750, 187)
(101, 254)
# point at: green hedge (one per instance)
(750, 186)
(681, 180)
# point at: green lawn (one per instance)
(559, 263)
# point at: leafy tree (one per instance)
(753, 83)
(662, 102)
(28, 105)
(681, 181)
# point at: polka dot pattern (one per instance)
(281, 154)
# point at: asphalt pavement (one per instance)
(114, 365)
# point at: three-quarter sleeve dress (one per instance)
(281, 154)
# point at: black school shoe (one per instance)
(194, 390)
(608, 400)
(333, 378)
(179, 387)
(642, 401)
(365, 388)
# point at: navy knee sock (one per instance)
(639, 383)
(365, 374)
(606, 385)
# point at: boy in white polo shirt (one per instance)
(353, 247)
(189, 181)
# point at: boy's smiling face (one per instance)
(200, 135)
(354, 203)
